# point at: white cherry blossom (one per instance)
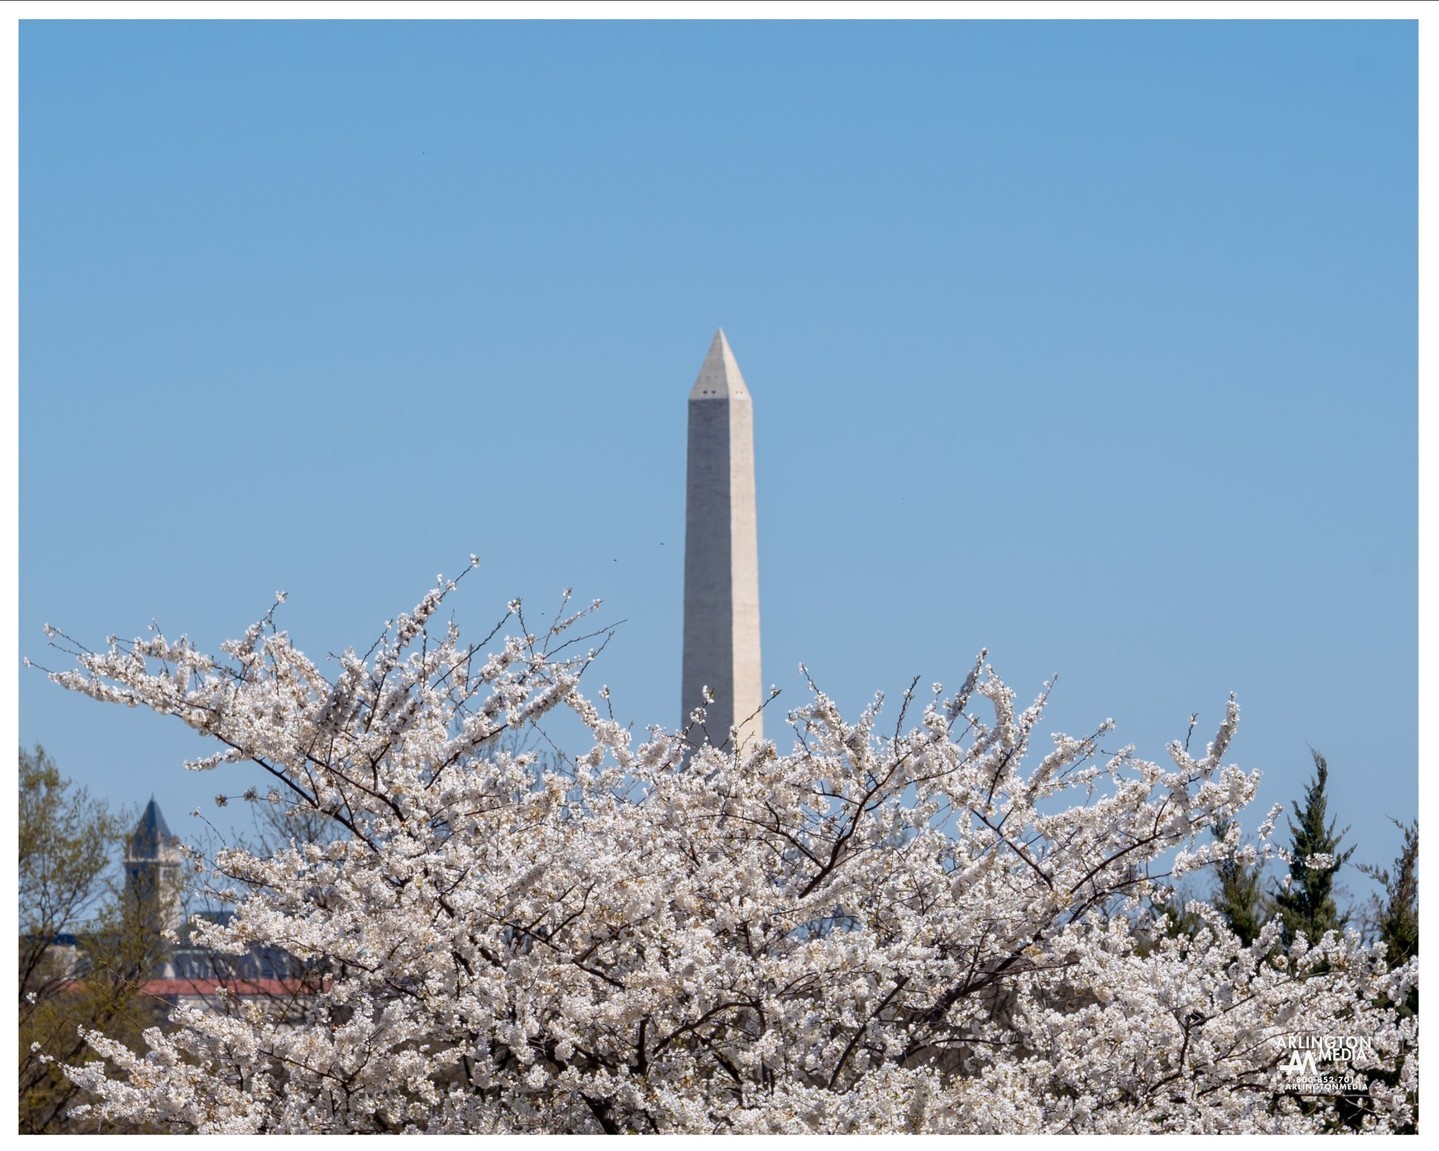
(915, 926)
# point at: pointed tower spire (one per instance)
(719, 375)
(152, 871)
(721, 630)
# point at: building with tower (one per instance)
(721, 606)
(180, 970)
(152, 872)
(152, 946)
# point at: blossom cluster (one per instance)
(922, 927)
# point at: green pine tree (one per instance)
(1240, 895)
(1308, 906)
(1398, 923)
(1178, 921)
(1399, 913)
(1398, 910)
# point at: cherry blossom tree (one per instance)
(937, 923)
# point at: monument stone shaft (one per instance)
(721, 638)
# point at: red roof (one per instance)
(210, 988)
(274, 988)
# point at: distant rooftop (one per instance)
(150, 834)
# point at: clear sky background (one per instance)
(1091, 344)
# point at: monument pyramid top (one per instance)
(719, 377)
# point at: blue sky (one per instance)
(1092, 344)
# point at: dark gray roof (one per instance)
(150, 834)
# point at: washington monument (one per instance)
(721, 646)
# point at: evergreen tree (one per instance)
(1240, 895)
(1399, 912)
(1308, 906)
(1398, 909)
(1398, 928)
(1170, 904)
